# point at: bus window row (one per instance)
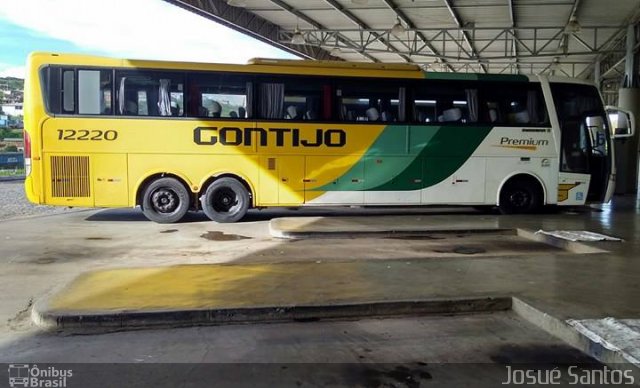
(276, 97)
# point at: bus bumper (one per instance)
(32, 196)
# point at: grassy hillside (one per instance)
(11, 89)
(12, 82)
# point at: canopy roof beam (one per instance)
(362, 26)
(457, 20)
(405, 19)
(339, 37)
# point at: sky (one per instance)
(133, 29)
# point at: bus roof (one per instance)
(276, 66)
(334, 64)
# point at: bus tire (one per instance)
(165, 201)
(520, 196)
(226, 200)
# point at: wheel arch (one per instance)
(522, 175)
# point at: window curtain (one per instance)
(121, 98)
(164, 99)
(532, 106)
(249, 105)
(271, 101)
(472, 104)
(103, 103)
(402, 105)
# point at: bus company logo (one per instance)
(529, 144)
(25, 375)
(280, 137)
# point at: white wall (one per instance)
(13, 110)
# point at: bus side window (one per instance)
(149, 93)
(177, 103)
(51, 88)
(364, 100)
(516, 108)
(445, 103)
(424, 110)
(94, 92)
(515, 105)
(218, 96)
(68, 91)
(305, 101)
(493, 112)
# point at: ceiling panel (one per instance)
(542, 26)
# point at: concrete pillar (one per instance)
(627, 150)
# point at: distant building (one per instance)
(16, 141)
(11, 160)
(14, 109)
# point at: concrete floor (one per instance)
(463, 350)
(42, 254)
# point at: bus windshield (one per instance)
(585, 133)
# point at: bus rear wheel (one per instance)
(226, 200)
(165, 201)
(520, 196)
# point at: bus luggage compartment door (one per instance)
(110, 184)
(334, 180)
(281, 180)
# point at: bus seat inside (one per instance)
(521, 117)
(292, 113)
(216, 109)
(310, 115)
(372, 114)
(493, 115)
(351, 116)
(131, 108)
(202, 111)
(450, 115)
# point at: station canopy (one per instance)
(561, 37)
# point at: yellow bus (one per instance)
(172, 137)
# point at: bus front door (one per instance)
(585, 156)
(585, 163)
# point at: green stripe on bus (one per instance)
(451, 76)
(442, 156)
(391, 150)
(429, 155)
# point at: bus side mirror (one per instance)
(622, 122)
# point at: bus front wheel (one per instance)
(520, 196)
(226, 200)
(165, 201)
